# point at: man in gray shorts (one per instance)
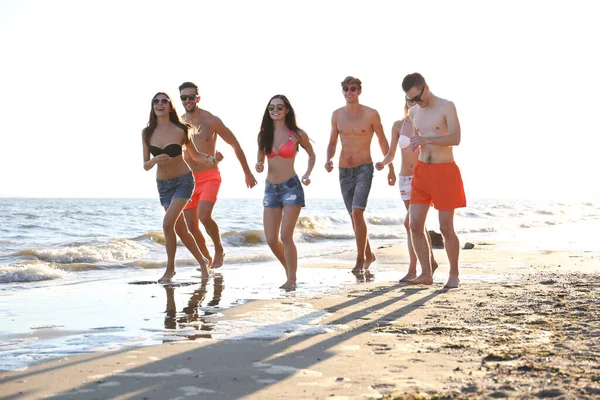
(354, 124)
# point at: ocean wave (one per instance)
(155, 236)
(244, 238)
(477, 230)
(30, 273)
(251, 259)
(385, 220)
(115, 250)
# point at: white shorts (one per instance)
(405, 185)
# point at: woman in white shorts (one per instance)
(402, 131)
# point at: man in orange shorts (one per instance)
(436, 179)
(206, 174)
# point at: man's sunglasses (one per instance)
(279, 107)
(351, 88)
(160, 101)
(416, 99)
(185, 97)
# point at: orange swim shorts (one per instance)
(438, 184)
(206, 189)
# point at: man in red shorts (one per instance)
(436, 179)
(207, 175)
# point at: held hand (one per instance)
(329, 166)
(250, 181)
(379, 166)
(260, 167)
(417, 141)
(306, 180)
(162, 159)
(218, 157)
(391, 177)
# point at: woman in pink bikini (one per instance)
(278, 140)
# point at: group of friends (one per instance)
(188, 178)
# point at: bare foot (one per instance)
(434, 266)
(370, 260)
(218, 260)
(358, 269)
(422, 280)
(204, 272)
(408, 277)
(288, 285)
(166, 278)
(452, 283)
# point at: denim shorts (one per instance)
(356, 185)
(181, 186)
(288, 193)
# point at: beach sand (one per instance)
(523, 324)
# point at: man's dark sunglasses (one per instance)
(416, 99)
(351, 88)
(185, 97)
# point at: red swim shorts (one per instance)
(438, 184)
(206, 189)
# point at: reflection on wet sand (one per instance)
(363, 276)
(191, 312)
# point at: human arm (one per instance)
(198, 156)
(451, 139)
(306, 145)
(229, 138)
(260, 161)
(333, 138)
(149, 163)
(391, 154)
(383, 145)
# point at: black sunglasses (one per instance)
(279, 107)
(351, 88)
(416, 99)
(161, 101)
(185, 97)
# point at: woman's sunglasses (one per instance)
(279, 107)
(160, 101)
(351, 88)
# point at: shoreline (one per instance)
(533, 334)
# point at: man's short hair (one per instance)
(413, 80)
(186, 85)
(352, 80)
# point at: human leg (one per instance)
(192, 222)
(362, 188)
(188, 240)
(418, 215)
(173, 211)
(205, 209)
(412, 256)
(452, 245)
(290, 217)
(272, 224)
(360, 234)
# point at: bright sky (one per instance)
(77, 77)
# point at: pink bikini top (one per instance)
(287, 150)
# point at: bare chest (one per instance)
(430, 123)
(355, 126)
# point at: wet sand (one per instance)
(533, 331)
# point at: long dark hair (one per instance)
(267, 128)
(173, 117)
